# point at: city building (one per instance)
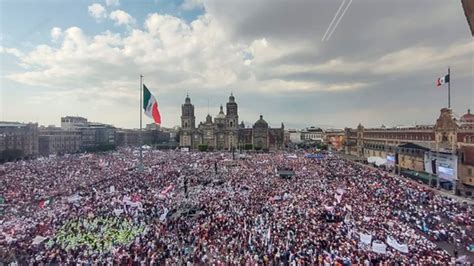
(55, 140)
(72, 122)
(18, 141)
(295, 136)
(444, 150)
(224, 131)
(93, 135)
(261, 137)
(151, 135)
(312, 134)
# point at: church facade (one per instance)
(224, 132)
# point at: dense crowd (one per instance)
(206, 208)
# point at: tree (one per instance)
(10, 155)
(202, 147)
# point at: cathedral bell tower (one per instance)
(188, 123)
(232, 116)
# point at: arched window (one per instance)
(231, 124)
(185, 124)
(444, 138)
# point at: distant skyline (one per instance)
(379, 65)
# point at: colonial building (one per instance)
(314, 134)
(151, 135)
(18, 140)
(55, 140)
(224, 131)
(93, 135)
(445, 149)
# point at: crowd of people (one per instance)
(207, 208)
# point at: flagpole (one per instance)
(140, 167)
(449, 88)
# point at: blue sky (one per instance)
(378, 67)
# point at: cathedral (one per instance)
(224, 131)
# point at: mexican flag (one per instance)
(442, 80)
(150, 105)
(44, 203)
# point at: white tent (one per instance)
(378, 161)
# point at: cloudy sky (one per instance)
(378, 66)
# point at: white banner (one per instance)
(394, 244)
(340, 191)
(329, 208)
(74, 198)
(379, 247)
(338, 197)
(365, 238)
(38, 239)
(163, 216)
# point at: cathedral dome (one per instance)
(467, 118)
(261, 123)
(187, 100)
(221, 114)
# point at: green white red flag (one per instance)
(150, 105)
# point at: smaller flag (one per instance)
(442, 80)
(44, 203)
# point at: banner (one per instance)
(74, 199)
(379, 247)
(329, 208)
(167, 189)
(163, 216)
(338, 198)
(38, 239)
(394, 244)
(340, 191)
(365, 238)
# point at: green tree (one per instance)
(203, 147)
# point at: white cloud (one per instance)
(97, 11)
(121, 17)
(56, 33)
(112, 2)
(204, 56)
(191, 4)
(11, 51)
(404, 61)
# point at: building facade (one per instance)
(295, 136)
(93, 135)
(445, 149)
(18, 141)
(151, 135)
(55, 140)
(312, 134)
(224, 131)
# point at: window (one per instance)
(444, 138)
